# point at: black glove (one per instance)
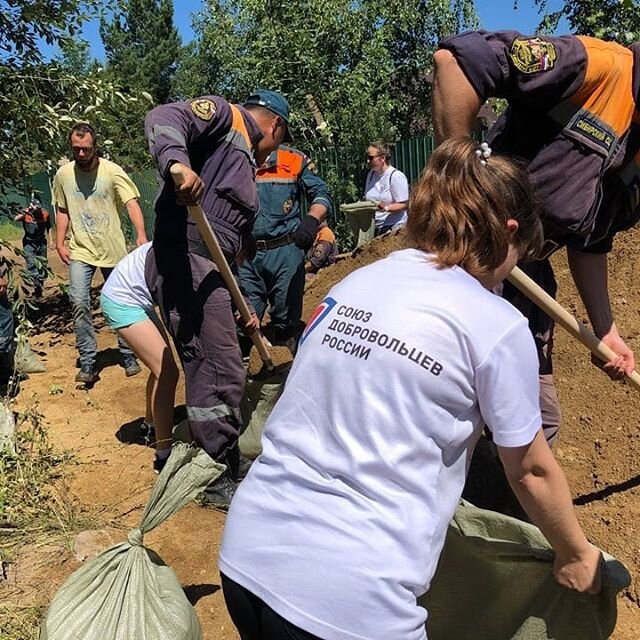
(305, 235)
(249, 247)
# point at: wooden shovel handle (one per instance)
(555, 310)
(212, 244)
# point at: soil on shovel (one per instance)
(599, 448)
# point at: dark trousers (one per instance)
(540, 324)
(7, 335)
(35, 255)
(254, 619)
(196, 309)
(275, 279)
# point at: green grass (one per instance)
(29, 503)
(10, 232)
(35, 509)
(19, 622)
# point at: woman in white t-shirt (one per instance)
(387, 186)
(128, 308)
(338, 527)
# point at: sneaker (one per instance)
(131, 368)
(218, 495)
(87, 375)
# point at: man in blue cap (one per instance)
(276, 275)
(217, 146)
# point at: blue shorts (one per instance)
(120, 315)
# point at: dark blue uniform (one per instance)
(275, 276)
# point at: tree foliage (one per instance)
(365, 63)
(617, 20)
(39, 99)
(142, 46)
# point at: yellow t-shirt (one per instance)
(91, 199)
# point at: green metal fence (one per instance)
(411, 155)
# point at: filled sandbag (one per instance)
(26, 361)
(494, 581)
(260, 396)
(127, 591)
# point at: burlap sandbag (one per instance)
(25, 360)
(495, 582)
(127, 591)
(260, 396)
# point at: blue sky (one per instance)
(494, 14)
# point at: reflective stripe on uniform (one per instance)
(281, 180)
(170, 132)
(238, 134)
(207, 414)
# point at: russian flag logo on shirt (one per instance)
(318, 316)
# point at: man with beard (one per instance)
(86, 193)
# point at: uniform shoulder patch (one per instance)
(204, 108)
(312, 167)
(319, 249)
(533, 55)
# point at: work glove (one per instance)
(305, 235)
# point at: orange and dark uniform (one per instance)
(275, 277)
(215, 139)
(572, 116)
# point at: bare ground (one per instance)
(599, 450)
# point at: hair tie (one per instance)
(484, 153)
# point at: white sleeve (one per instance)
(399, 187)
(508, 388)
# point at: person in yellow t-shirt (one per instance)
(86, 194)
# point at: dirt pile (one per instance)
(599, 447)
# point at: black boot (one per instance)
(220, 492)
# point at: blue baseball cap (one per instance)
(274, 102)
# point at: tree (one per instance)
(364, 63)
(39, 100)
(617, 20)
(142, 46)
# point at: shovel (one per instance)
(557, 312)
(212, 244)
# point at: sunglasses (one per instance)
(370, 158)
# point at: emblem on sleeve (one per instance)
(533, 55)
(203, 108)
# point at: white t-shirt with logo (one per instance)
(126, 284)
(391, 186)
(340, 523)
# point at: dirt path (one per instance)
(599, 450)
